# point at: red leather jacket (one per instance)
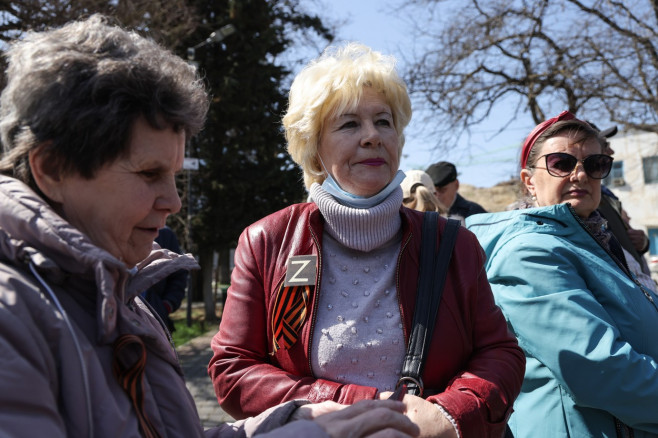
(474, 368)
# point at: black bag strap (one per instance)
(432, 276)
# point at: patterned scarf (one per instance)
(598, 226)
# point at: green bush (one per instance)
(183, 333)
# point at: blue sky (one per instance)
(482, 160)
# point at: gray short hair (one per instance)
(78, 90)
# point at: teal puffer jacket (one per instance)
(589, 331)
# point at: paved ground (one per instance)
(194, 356)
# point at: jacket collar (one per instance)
(32, 232)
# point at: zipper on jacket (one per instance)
(76, 342)
(316, 300)
(614, 258)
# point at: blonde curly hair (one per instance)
(331, 85)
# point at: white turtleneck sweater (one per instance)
(358, 334)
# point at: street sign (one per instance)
(191, 163)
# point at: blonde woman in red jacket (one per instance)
(322, 295)
(94, 123)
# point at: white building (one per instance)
(634, 179)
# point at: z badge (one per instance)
(291, 301)
(301, 270)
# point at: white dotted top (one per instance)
(358, 335)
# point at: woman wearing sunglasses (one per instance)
(586, 324)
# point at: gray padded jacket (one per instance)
(63, 302)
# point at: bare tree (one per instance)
(596, 58)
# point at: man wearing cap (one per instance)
(446, 184)
(634, 241)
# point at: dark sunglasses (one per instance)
(560, 164)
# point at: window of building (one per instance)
(616, 176)
(650, 166)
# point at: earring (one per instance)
(534, 198)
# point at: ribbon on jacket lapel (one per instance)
(128, 365)
(289, 315)
(291, 302)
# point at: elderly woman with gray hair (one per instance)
(322, 296)
(94, 121)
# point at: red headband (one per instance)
(539, 129)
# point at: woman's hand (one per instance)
(367, 418)
(313, 410)
(432, 422)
